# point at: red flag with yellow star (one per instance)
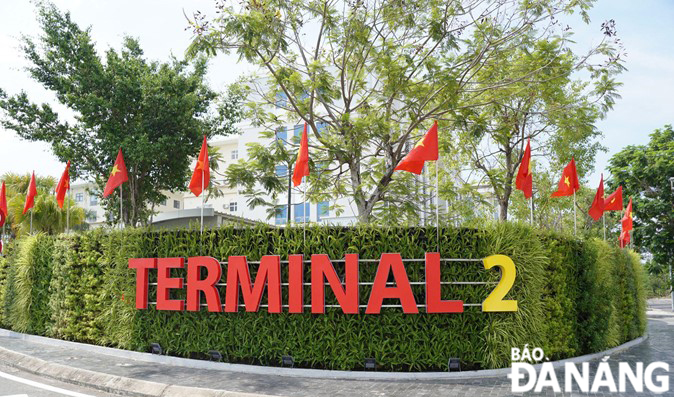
(614, 202)
(597, 207)
(627, 219)
(425, 150)
(63, 186)
(30, 196)
(3, 204)
(624, 238)
(568, 184)
(524, 180)
(118, 175)
(202, 173)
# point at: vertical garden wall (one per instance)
(574, 296)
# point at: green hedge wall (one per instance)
(575, 297)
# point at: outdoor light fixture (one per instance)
(287, 361)
(215, 355)
(155, 348)
(370, 364)
(454, 365)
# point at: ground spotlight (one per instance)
(370, 364)
(155, 348)
(454, 365)
(215, 355)
(287, 361)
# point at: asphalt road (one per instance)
(16, 383)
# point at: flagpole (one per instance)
(31, 221)
(121, 200)
(603, 218)
(304, 214)
(437, 203)
(68, 213)
(203, 200)
(575, 217)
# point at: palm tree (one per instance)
(47, 216)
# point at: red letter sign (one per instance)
(142, 266)
(434, 302)
(207, 285)
(295, 284)
(269, 272)
(347, 296)
(402, 290)
(165, 283)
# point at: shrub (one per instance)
(574, 296)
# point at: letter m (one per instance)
(238, 274)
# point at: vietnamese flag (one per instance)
(627, 219)
(524, 180)
(63, 186)
(30, 197)
(614, 202)
(624, 238)
(568, 184)
(302, 163)
(201, 177)
(597, 207)
(118, 175)
(3, 204)
(425, 150)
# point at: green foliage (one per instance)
(574, 297)
(644, 172)
(46, 215)
(156, 112)
(369, 77)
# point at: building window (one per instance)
(176, 204)
(235, 154)
(163, 202)
(232, 206)
(297, 132)
(281, 214)
(302, 212)
(281, 100)
(79, 197)
(282, 135)
(322, 210)
(281, 170)
(93, 199)
(92, 216)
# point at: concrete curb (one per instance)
(299, 372)
(108, 383)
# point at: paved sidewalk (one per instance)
(659, 347)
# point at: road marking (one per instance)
(42, 386)
(17, 395)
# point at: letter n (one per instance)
(347, 296)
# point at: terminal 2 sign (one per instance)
(204, 274)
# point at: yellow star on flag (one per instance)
(200, 165)
(613, 201)
(114, 170)
(420, 143)
(566, 181)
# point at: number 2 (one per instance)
(495, 302)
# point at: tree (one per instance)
(644, 171)
(556, 112)
(369, 77)
(47, 216)
(156, 112)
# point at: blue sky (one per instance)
(646, 28)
